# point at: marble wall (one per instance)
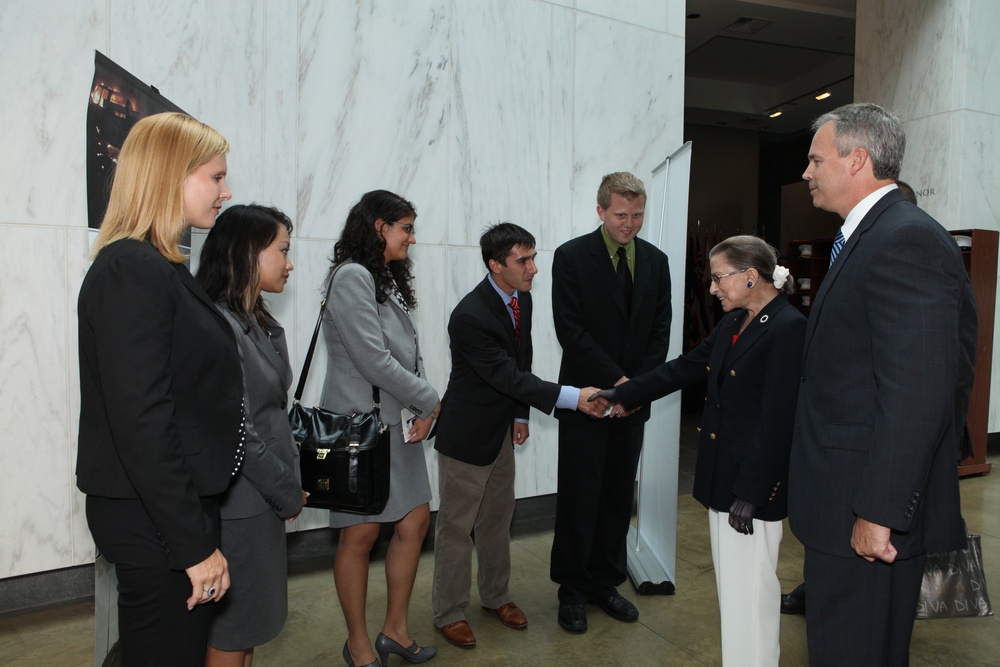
(936, 65)
(477, 111)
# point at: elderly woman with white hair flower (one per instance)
(752, 360)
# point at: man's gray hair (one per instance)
(869, 126)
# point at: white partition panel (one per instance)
(652, 542)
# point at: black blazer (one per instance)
(161, 394)
(746, 425)
(491, 381)
(886, 376)
(600, 342)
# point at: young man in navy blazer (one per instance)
(887, 371)
(484, 413)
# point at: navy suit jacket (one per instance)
(886, 376)
(491, 381)
(746, 425)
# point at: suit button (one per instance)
(712, 436)
(732, 373)
(283, 404)
(802, 379)
(708, 369)
(698, 428)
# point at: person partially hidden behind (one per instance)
(795, 602)
(752, 358)
(484, 413)
(887, 371)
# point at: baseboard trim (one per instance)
(307, 550)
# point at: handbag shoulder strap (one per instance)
(300, 387)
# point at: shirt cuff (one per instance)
(568, 399)
(520, 420)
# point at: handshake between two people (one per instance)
(603, 403)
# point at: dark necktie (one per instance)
(625, 279)
(516, 309)
(838, 245)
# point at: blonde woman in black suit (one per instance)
(247, 254)
(752, 359)
(161, 393)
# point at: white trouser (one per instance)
(749, 592)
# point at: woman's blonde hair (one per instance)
(147, 196)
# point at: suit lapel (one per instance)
(843, 258)
(604, 270)
(642, 273)
(403, 312)
(496, 307)
(727, 327)
(269, 349)
(196, 289)
(756, 328)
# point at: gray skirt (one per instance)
(254, 609)
(409, 486)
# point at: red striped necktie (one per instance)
(517, 318)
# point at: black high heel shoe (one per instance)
(350, 661)
(384, 646)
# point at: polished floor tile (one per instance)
(680, 630)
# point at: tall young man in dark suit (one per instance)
(886, 377)
(611, 304)
(483, 414)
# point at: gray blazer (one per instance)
(269, 478)
(371, 343)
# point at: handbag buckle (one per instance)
(323, 484)
(321, 454)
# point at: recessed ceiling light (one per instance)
(774, 114)
(822, 96)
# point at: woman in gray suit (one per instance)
(372, 341)
(246, 254)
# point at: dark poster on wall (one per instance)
(117, 101)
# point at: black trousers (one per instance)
(154, 626)
(860, 613)
(596, 488)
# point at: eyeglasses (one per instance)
(718, 279)
(406, 228)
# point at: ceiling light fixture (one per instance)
(823, 95)
(774, 114)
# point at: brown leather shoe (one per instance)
(459, 634)
(510, 615)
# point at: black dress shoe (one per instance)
(617, 607)
(794, 602)
(572, 617)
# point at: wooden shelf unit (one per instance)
(981, 263)
(813, 267)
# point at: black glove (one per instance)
(611, 395)
(741, 516)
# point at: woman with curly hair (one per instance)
(371, 340)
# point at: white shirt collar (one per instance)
(857, 213)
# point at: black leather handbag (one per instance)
(344, 458)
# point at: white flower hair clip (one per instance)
(780, 276)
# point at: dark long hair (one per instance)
(229, 269)
(361, 243)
